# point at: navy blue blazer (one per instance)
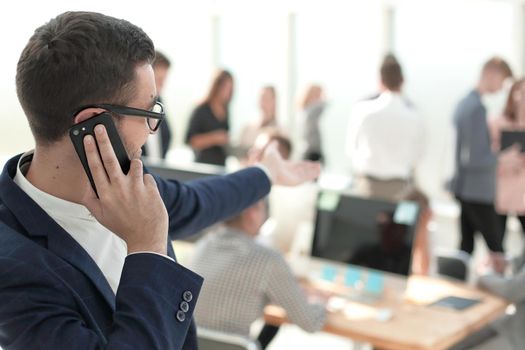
(54, 296)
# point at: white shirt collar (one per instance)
(53, 206)
(107, 249)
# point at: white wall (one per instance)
(290, 44)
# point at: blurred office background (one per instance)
(290, 44)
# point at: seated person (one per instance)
(507, 332)
(242, 277)
(289, 207)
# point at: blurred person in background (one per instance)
(289, 209)
(207, 133)
(267, 118)
(312, 105)
(264, 138)
(242, 277)
(474, 180)
(510, 182)
(506, 333)
(385, 139)
(158, 144)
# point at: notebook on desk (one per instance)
(455, 303)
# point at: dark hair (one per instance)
(498, 64)
(510, 107)
(161, 60)
(78, 58)
(218, 81)
(391, 73)
(284, 145)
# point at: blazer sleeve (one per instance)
(39, 311)
(195, 205)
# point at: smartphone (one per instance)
(78, 131)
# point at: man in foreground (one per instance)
(79, 271)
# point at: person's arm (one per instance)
(352, 132)
(421, 137)
(199, 136)
(40, 311)
(283, 289)
(512, 289)
(198, 204)
(209, 139)
(474, 141)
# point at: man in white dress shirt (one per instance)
(385, 139)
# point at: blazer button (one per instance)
(187, 296)
(181, 316)
(184, 306)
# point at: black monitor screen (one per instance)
(365, 232)
(182, 173)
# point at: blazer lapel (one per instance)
(40, 225)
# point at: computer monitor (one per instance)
(182, 173)
(366, 232)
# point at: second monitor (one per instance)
(365, 232)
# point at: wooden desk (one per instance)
(413, 325)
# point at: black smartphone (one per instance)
(78, 131)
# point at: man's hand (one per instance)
(285, 172)
(128, 205)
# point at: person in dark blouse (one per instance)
(208, 129)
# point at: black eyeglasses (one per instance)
(155, 116)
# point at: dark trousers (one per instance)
(267, 334)
(478, 217)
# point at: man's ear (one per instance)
(87, 113)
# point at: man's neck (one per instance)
(58, 172)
